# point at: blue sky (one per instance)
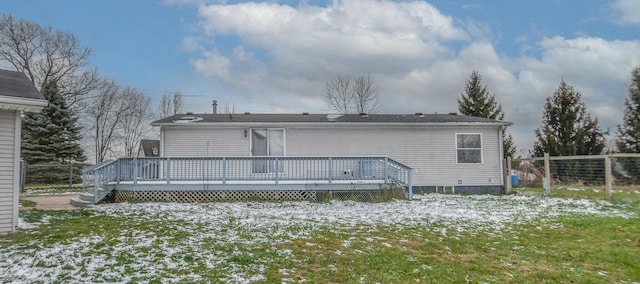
(274, 56)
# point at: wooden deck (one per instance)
(220, 178)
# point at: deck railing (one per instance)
(222, 170)
(98, 177)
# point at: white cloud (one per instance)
(626, 11)
(419, 57)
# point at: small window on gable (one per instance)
(469, 148)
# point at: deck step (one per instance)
(77, 202)
(87, 197)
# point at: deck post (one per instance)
(117, 166)
(168, 177)
(410, 183)
(330, 170)
(135, 171)
(95, 187)
(277, 169)
(224, 170)
(386, 164)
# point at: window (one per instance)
(469, 147)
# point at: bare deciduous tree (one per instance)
(104, 112)
(346, 94)
(365, 94)
(339, 94)
(135, 122)
(170, 104)
(46, 54)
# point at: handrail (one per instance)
(103, 174)
(97, 166)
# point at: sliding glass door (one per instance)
(264, 143)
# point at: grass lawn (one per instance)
(438, 239)
(619, 194)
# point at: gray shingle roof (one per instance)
(16, 84)
(320, 118)
(147, 146)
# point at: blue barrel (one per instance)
(515, 180)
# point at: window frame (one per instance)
(268, 129)
(478, 149)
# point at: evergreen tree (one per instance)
(476, 101)
(51, 137)
(568, 130)
(628, 140)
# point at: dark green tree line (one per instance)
(51, 137)
(628, 138)
(568, 130)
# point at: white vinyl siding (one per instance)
(429, 149)
(206, 141)
(8, 190)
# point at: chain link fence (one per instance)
(613, 175)
(50, 174)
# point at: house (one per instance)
(447, 152)
(149, 148)
(17, 94)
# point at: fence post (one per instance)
(508, 183)
(84, 181)
(607, 176)
(547, 174)
(70, 174)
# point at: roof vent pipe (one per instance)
(214, 105)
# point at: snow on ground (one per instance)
(232, 233)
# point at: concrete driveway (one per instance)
(51, 202)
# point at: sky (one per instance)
(275, 56)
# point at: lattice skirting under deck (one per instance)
(379, 195)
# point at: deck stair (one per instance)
(97, 182)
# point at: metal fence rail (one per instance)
(610, 171)
(248, 170)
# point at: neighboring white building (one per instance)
(448, 152)
(17, 94)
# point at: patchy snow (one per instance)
(235, 234)
(25, 225)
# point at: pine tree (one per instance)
(628, 140)
(568, 130)
(476, 101)
(629, 132)
(51, 136)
